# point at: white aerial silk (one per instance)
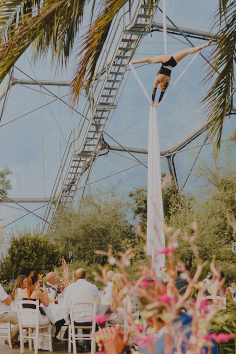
(155, 215)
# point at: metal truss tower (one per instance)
(85, 142)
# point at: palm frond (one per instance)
(222, 59)
(92, 44)
(14, 11)
(54, 25)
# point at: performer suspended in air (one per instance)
(168, 62)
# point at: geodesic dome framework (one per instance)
(87, 141)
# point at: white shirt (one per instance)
(108, 291)
(18, 297)
(81, 290)
(3, 296)
(52, 287)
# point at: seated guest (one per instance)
(52, 287)
(33, 292)
(7, 316)
(108, 288)
(81, 290)
(113, 340)
(52, 282)
(180, 283)
(16, 295)
(117, 315)
(222, 291)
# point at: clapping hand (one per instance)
(112, 340)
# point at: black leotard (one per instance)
(167, 67)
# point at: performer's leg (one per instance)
(180, 55)
(158, 59)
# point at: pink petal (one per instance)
(140, 328)
(167, 250)
(144, 341)
(101, 319)
(164, 298)
(222, 337)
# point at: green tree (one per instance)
(29, 251)
(100, 219)
(170, 195)
(5, 184)
(216, 197)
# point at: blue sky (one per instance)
(31, 146)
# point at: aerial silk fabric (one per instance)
(155, 214)
(164, 26)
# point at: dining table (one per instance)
(55, 312)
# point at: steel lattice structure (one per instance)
(86, 140)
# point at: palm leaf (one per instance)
(222, 59)
(92, 44)
(54, 25)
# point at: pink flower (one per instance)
(140, 328)
(203, 306)
(144, 341)
(145, 283)
(164, 298)
(167, 250)
(222, 337)
(101, 319)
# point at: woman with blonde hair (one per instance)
(118, 283)
(168, 62)
(117, 300)
(16, 295)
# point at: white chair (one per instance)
(29, 319)
(5, 331)
(75, 306)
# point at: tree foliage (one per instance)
(170, 195)
(211, 208)
(100, 220)
(28, 251)
(5, 184)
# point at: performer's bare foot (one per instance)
(207, 43)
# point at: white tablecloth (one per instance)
(54, 312)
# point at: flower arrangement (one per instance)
(161, 301)
(66, 278)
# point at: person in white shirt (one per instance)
(81, 290)
(16, 295)
(108, 288)
(7, 316)
(53, 288)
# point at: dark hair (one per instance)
(222, 275)
(32, 279)
(18, 284)
(164, 84)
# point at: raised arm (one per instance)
(44, 297)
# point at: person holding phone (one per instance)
(34, 292)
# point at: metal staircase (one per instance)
(84, 143)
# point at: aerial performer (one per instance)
(168, 62)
